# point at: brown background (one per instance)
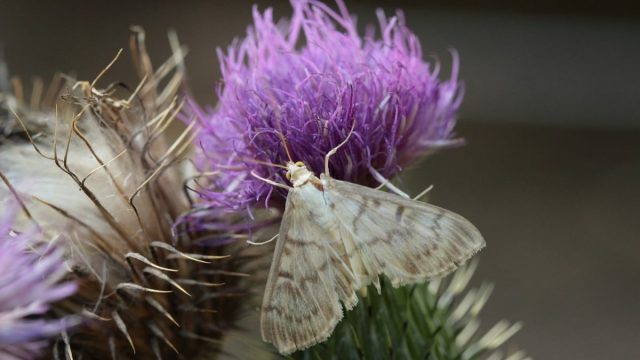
(551, 173)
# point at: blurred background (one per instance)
(551, 171)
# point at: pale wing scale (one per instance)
(307, 281)
(409, 241)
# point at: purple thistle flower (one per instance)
(312, 95)
(30, 276)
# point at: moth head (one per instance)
(298, 173)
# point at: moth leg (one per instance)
(423, 193)
(270, 182)
(263, 242)
(335, 149)
(383, 181)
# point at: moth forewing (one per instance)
(308, 278)
(407, 240)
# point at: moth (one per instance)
(337, 237)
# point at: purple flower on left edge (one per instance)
(31, 278)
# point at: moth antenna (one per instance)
(265, 163)
(282, 139)
(284, 143)
(263, 242)
(270, 182)
(335, 149)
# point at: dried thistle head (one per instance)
(95, 166)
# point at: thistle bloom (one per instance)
(30, 280)
(309, 97)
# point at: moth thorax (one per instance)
(298, 173)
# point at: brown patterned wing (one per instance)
(409, 241)
(307, 280)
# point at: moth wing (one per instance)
(307, 280)
(409, 241)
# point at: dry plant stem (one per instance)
(15, 194)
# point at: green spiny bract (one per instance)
(436, 320)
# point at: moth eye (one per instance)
(288, 175)
(300, 164)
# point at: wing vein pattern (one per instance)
(338, 237)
